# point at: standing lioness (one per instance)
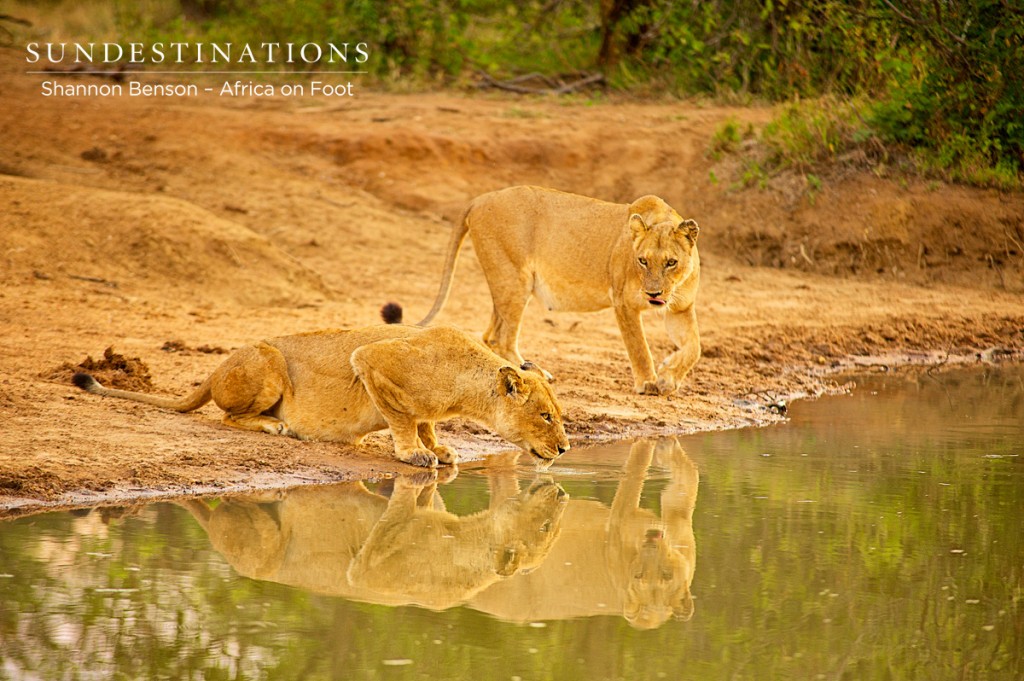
(340, 385)
(580, 254)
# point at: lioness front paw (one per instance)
(530, 366)
(647, 388)
(419, 457)
(666, 385)
(417, 480)
(446, 454)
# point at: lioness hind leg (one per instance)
(429, 439)
(511, 290)
(249, 384)
(502, 334)
(266, 424)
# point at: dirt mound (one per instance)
(860, 225)
(178, 345)
(113, 371)
(129, 243)
(436, 156)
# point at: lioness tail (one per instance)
(391, 313)
(458, 236)
(198, 398)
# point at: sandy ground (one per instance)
(175, 230)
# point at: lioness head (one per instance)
(528, 415)
(526, 526)
(658, 586)
(664, 247)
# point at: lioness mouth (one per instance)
(541, 462)
(655, 301)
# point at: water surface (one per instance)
(875, 536)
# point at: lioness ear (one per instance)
(510, 382)
(689, 229)
(637, 224)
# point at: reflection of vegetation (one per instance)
(879, 538)
(875, 538)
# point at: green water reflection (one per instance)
(876, 536)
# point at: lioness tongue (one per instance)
(656, 301)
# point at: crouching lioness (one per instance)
(577, 253)
(340, 385)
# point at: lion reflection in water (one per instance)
(532, 555)
(624, 559)
(346, 540)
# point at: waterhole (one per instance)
(874, 536)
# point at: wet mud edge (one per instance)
(838, 378)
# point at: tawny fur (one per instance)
(624, 559)
(341, 385)
(580, 254)
(401, 550)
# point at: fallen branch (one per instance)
(552, 86)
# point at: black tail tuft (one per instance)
(391, 313)
(84, 381)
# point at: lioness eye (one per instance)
(643, 261)
(671, 262)
(546, 416)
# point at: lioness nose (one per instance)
(563, 450)
(655, 294)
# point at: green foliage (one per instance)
(805, 137)
(947, 78)
(413, 38)
(774, 49)
(727, 138)
(956, 89)
(810, 134)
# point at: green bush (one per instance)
(774, 49)
(807, 135)
(956, 90)
(411, 38)
(947, 78)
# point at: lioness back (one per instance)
(328, 402)
(326, 352)
(557, 236)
